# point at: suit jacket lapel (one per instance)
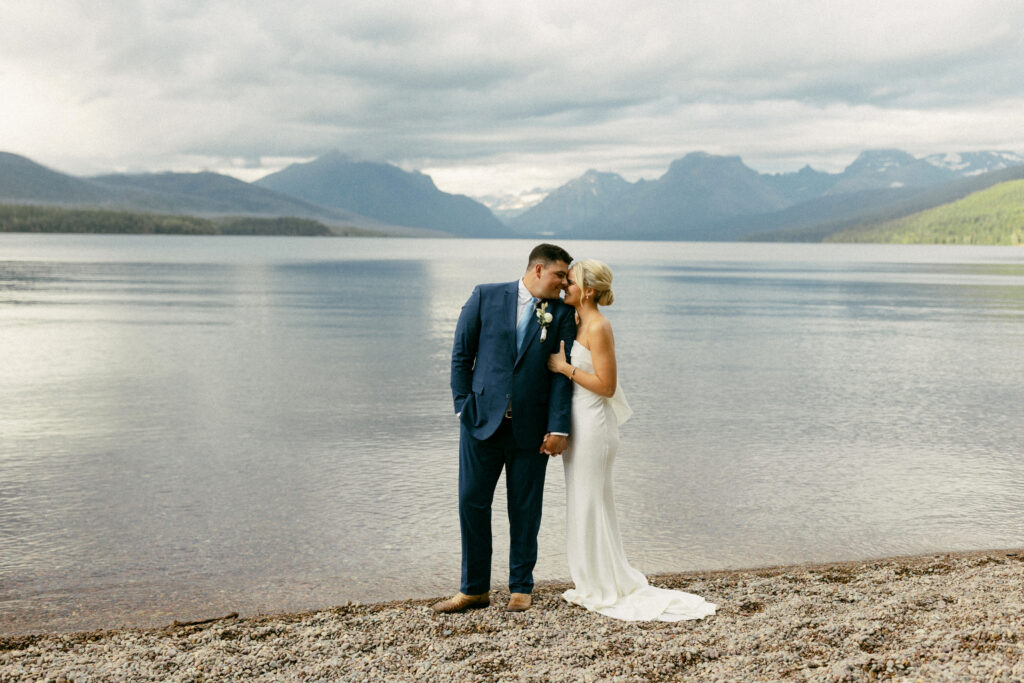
(509, 309)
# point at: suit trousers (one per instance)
(480, 465)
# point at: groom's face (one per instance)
(553, 279)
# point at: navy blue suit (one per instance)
(488, 376)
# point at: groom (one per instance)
(514, 413)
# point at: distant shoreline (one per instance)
(32, 218)
(948, 615)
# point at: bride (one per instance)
(604, 581)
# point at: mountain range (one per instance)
(706, 197)
(700, 197)
(385, 192)
(23, 181)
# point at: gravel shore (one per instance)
(944, 617)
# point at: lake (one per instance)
(191, 426)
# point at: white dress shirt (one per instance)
(524, 301)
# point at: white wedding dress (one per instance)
(605, 583)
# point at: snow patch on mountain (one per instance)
(975, 163)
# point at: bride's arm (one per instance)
(602, 351)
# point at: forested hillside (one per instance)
(18, 218)
(991, 216)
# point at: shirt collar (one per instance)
(524, 293)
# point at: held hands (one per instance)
(554, 444)
(557, 362)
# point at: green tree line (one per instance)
(992, 216)
(19, 218)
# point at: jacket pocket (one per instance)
(470, 412)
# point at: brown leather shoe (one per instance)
(519, 602)
(462, 602)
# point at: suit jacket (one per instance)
(488, 373)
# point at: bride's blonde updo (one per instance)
(591, 273)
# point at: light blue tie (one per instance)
(524, 322)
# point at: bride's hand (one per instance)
(556, 361)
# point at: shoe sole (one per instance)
(475, 605)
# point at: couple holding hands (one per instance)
(534, 376)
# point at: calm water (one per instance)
(193, 426)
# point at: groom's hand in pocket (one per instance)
(554, 444)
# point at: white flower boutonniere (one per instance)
(543, 319)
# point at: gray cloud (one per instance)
(513, 94)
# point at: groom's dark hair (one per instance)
(548, 254)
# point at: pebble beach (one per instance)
(941, 617)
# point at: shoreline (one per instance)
(939, 616)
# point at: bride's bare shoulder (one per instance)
(599, 327)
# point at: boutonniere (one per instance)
(543, 319)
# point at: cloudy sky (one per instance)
(506, 95)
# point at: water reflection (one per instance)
(197, 426)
